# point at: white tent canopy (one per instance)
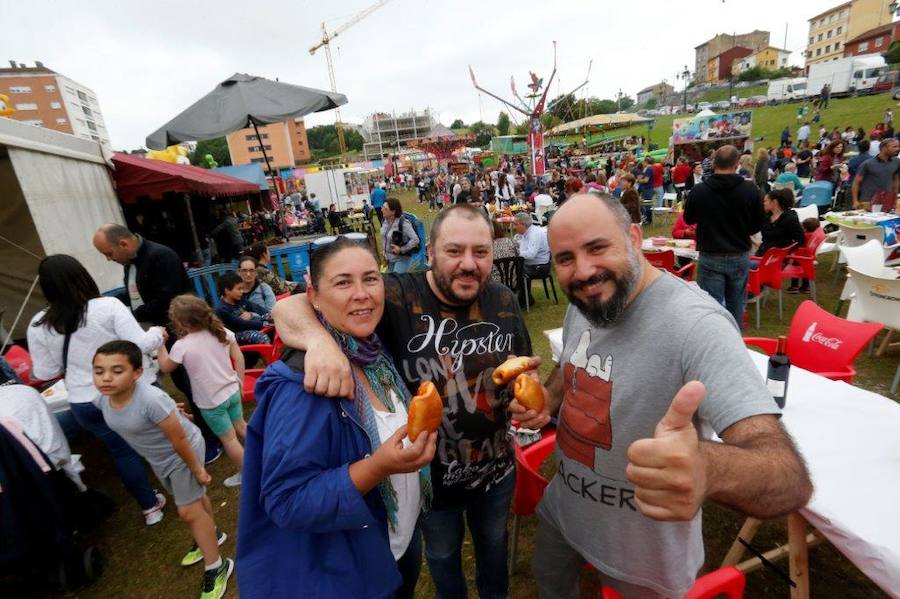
(56, 190)
(600, 121)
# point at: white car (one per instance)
(722, 105)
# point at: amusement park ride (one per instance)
(533, 109)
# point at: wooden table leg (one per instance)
(748, 531)
(799, 557)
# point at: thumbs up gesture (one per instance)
(669, 471)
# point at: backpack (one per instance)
(402, 237)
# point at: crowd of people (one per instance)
(335, 498)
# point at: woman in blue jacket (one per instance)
(331, 491)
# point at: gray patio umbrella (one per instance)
(242, 101)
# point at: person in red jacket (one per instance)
(680, 175)
(682, 230)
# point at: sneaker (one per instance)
(213, 454)
(216, 581)
(155, 514)
(195, 555)
(792, 290)
(233, 481)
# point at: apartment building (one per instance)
(873, 41)
(385, 133)
(755, 40)
(829, 31)
(657, 91)
(44, 98)
(719, 67)
(285, 145)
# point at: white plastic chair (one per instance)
(878, 299)
(853, 237)
(867, 258)
(806, 212)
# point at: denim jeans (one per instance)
(486, 514)
(409, 564)
(724, 277)
(128, 463)
(659, 195)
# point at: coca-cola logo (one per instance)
(829, 342)
(812, 335)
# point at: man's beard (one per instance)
(601, 313)
(445, 285)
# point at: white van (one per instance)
(786, 90)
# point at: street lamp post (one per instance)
(619, 100)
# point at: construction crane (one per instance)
(326, 43)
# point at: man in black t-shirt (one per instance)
(451, 325)
(804, 160)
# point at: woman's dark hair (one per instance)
(68, 287)
(256, 251)
(121, 347)
(829, 150)
(395, 206)
(319, 257)
(229, 281)
(784, 197)
(247, 257)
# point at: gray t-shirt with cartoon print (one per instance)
(618, 383)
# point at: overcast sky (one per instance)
(147, 61)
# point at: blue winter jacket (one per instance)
(304, 530)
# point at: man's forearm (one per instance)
(296, 322)
(764, 479)
(554, 386)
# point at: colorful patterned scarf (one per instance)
(378, 366)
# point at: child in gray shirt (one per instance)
(149, 420)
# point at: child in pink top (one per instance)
(207, 350)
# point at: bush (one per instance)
(757, 73)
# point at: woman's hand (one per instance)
(395, 249)
(394, 456)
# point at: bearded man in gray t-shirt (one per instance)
(647, 359)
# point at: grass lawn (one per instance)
(143, 562)
(717, 95)
(768, 121)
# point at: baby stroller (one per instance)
(41, 515)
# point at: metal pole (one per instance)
(190, 213)
(265, 156)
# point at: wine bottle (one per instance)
(779, 370)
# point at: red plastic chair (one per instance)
(665, 260)
(530, 484)
(767, 275)
(728, 581)
(821, 342)
(802, 267)
(248, 391)
(20, 361)
(281, 296)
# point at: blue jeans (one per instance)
(410, 564)
(129, 464)
(658, 195)
(444, 530)
(400, 264)
(724, 277)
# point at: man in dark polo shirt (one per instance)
(878, 179)
(727, 211)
